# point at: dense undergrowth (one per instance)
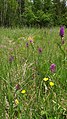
(33, 74)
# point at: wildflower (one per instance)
(16, 101)
(27, 44)
(11, 58)
(61, 31)
(23, 91)
(53, 68)
(51, 84)
(45, 79)
(17, 87)
(40, 50)
(30, 39)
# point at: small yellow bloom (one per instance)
(16, 101)
(23, 91)
(45, 79)
(30, 37)
(51, 84)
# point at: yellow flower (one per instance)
(45, 79)
(16, 101)
(51, 84)
(30, 37)
(23, 91)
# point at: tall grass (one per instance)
(25, 59)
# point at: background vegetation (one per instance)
(25, 59)
(33, 13)
(33, 59)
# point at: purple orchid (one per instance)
(53, 68)
(40, 50)
(61, 31)
(11, 59)
(27, 44)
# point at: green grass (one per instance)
(25, 68)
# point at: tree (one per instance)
(11, 12)
(59, 9)
(20, 11)
(2, 12)
(37, 5)
(33, 12)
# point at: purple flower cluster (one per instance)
(11, 59)
(27, 44)
(31, 41)
(53, 68)
(17, 87)
(61, 31)
(40, 50)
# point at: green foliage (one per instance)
(29, 17)
(32, 13)
(25, 59)
(43, 19)
(59, 11)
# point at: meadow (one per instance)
(33, 74)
